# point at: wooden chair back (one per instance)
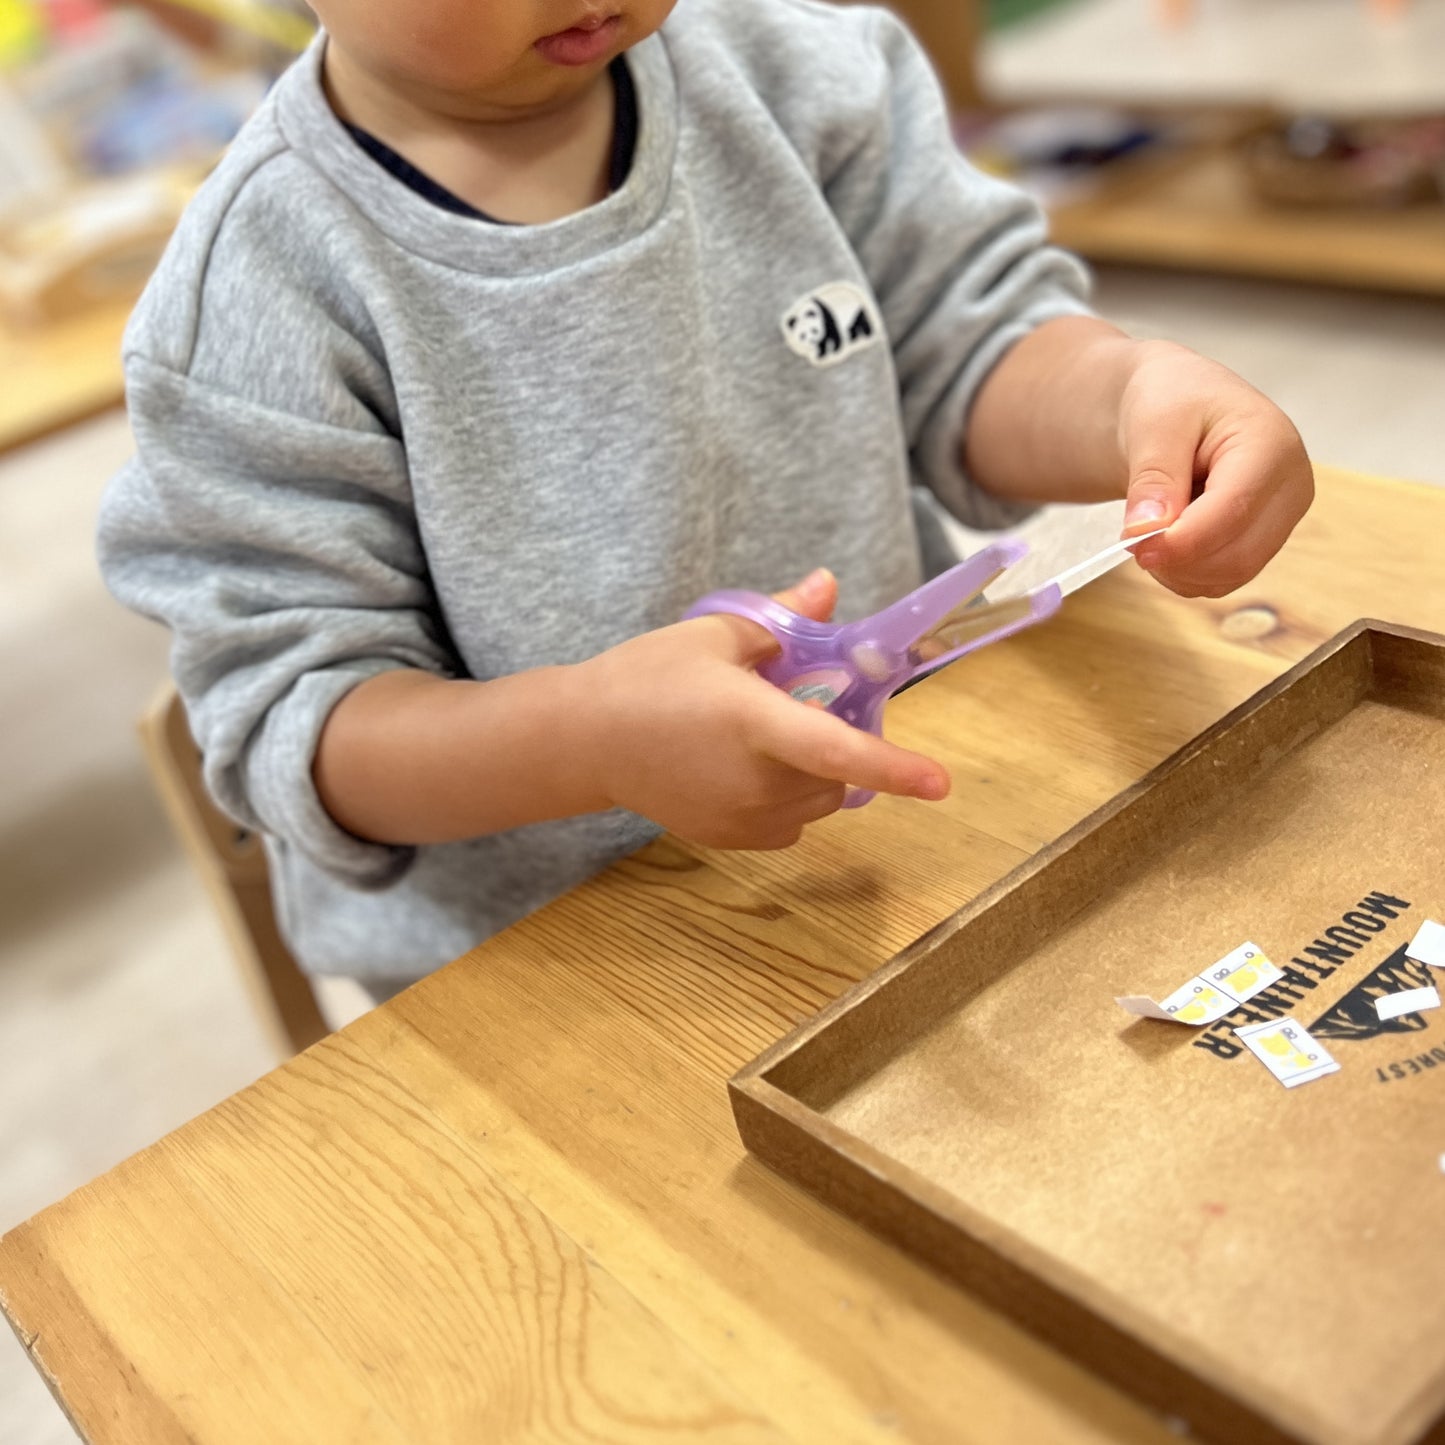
(948, 31)
(232, 865)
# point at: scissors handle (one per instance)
(815, 663)
(853, 668)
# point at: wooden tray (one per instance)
(1262, 1263)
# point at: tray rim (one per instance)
(895, 1199)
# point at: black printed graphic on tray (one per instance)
(1355, 1017)
(1332, 949)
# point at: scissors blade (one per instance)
(967, 623)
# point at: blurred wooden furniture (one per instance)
(511, 1203)
(69, 278)
(1180, 12)
(53, 375)
(1195, 208)
(232, 865)
(1198, 213)
(89, 245)
(949, 30)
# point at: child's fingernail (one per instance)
(1145, 510)
(814, 584)
(933, 789)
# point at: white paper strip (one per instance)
(1144, 1006)
(1428, 945)
(1410, 1001)
(1210, 995)
(1287, 1050)
(1105, 561)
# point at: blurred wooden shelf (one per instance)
(1197, 213)
(61, 372)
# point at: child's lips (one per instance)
(583, 43)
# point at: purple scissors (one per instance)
(853, 668)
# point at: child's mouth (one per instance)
(582, 44)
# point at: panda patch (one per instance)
(832, 323)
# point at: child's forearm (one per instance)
(674, 725)
(407, 757)
(1045, 425)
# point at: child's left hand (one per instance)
(1189, 427)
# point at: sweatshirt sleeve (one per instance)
(283, 554)
(957, 260)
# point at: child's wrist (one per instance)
(589, 735)
(510, 751)
(1105, 366)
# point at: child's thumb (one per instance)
(1158, 492)
(815, 596)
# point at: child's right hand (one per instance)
(691, 737)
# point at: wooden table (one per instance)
(511, 1204)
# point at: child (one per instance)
(506, 330)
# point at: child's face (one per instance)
(486, 57)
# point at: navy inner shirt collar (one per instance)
(624, 147)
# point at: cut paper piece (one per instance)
(1287, 1050)
(1234, 980)
(1428, 945)
(1410, 1001)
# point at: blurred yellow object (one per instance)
(992, 162)
(91, 244)
(22, 28)
(278, 27)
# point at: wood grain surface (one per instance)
(511, 1205)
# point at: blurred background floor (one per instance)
(120, 1014)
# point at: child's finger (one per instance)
(821, 802)
(824, 746)
(1254, 497)
(815, 596)
(782, 825)
(1221, 572)
(747, 644)
(1161, 471)
(1245, 482)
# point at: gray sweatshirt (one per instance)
(373, 434)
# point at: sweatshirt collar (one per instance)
(312, 129)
